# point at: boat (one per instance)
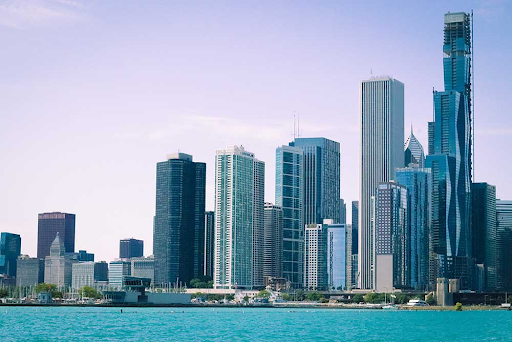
(390, 307)
(416, 302)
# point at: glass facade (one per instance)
(49, 224)
(504, 245)
(450, 158)
(178, 237)
(418, 182)
(273, 241)
(289, 196)
(10, 250)
(336, 256)
(131, 248)
(209, 243)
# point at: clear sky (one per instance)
(94, 93)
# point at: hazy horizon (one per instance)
(96, 93)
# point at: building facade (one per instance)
(10, 250)
(290, 196)
(239, 219)
(503, 245)
(418, 182)
(273, 241)
(450, 160)
(382, 151)
(413, 152)
(143, 268)
(483, 232)
(209, 243)
(392, 264)
(82, 255)
(315, 257)
(49, 224)
(131, 248)
(352, 247)
(178, 238)
(336, 255)
(58, 265)
(30, 271)
(118, 270)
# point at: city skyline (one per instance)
(105, 205)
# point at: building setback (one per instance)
(209, 243)
(49, 224)
(10, 250)
(392, 264)
(131, 248)
(239, 219)
(273, 241)
(290, 196)
(382, 151)
(450, 156)
(178, 239)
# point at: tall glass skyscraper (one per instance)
(131, 248)
(336, 255)
(49, 224)
(178, 237)
(10, 250)
(290, 196)
(418, 182)
(321, 179)
(352, 247)
(413, 152)
(450, 160)
(239, 219)
(209, 242)
(382, 151)
(503, 244)
(273, 241)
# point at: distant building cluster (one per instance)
(419, 218)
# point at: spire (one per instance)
(411, 129)
(57, 247)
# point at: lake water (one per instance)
(249, 324)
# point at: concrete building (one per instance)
(30, 271)
(382, 151)
(290, 197)
(392, 264)
(336, 255)
(58, 265)
(273, 241)
(178, 239)
(82, 255)
(118, 270)
(315, 257)
(89, 273)
(239, 219)
(49, 224)
(143, 268)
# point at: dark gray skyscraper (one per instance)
(178, 237)
(49, 225)
(130, 248)
(209, 243)
(10, 250)
(343, 212)
(352, 243)
(273, 241)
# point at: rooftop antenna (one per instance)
(294, 127)
(298, 126)
(371, 72)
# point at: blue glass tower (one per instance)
(450, 158)
(10, 248)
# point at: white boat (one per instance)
(390, 307)
(416, 302)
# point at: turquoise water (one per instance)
(256, 324)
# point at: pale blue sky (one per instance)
(95, 93)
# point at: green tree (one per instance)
(4, 292)
(458, 307)
(314, 296)
(89, 292)
(299, 295)
(287, 296)
(56, 294)
(430, 300)
(402, 298)
(263, 294)
(246, 299)
(43, 287)
(358, 298)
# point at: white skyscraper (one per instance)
(239, 219)
(382, 151)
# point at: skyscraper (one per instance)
(413, 152)
(450, 160)
(352, 247)
(10, 250)
(382, 151)
(343, 212)
(290, 196)
(336, 255)
(483, 226)
(131, 248)
(392, 264)
(58, 265)
(504, 245)
(178, 238)
(118, 270)
(321, 179)
(418, 182)
(239, 219)
(315, 257)
(273, 241)
(209, 242)
(49, 224)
